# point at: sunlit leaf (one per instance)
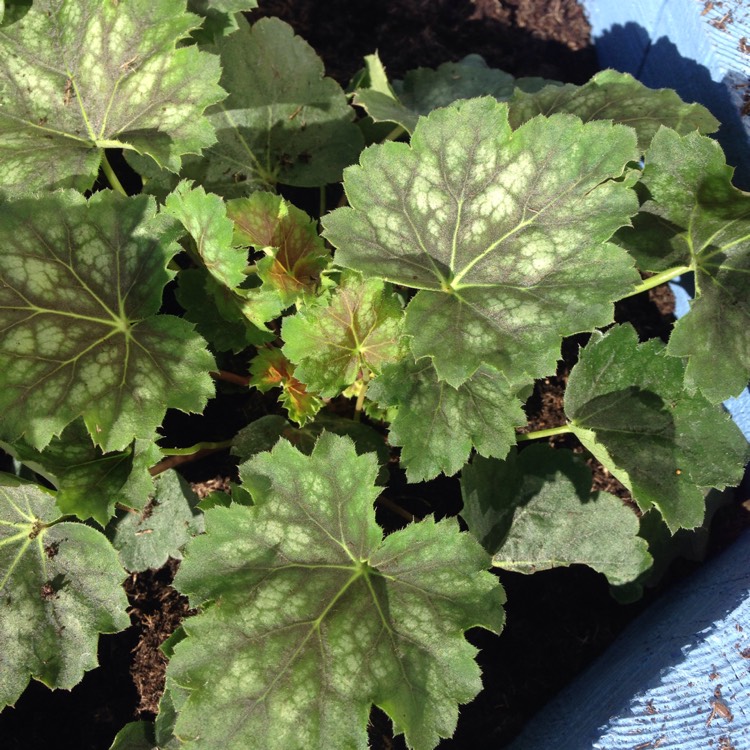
(504, 234)
(79, 76)
(359, 328)
(695, 217)
(615, 96)
(316, 616)
(438, 425)
(60, 586)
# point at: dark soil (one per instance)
(557, 621)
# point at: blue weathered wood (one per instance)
(675, 44)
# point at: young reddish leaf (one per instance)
(79, 76)
(316, 616)
(627, 404)
(296, 255)
(80, 284)
(535, 511)
(504, 233)
(359, 328)
(60, 586)
(271, 369)
(438, 425)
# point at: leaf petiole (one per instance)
(539, 434)
(660, 278)
(111, 176)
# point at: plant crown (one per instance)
(482, 220)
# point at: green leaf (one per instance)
(80, 76)
(536, 511)
(60, 586)
(358, 329)
(615, 96)
(315, 612)
(695, 217)
(425, 89)
(145, 540)
(504, 234)
(204, 216)
(438, 425)
(271, 369)
(209, 304)
(80, 283)
(89, 483)
(295, 253)
(283, 121)
(627, 405)
(218, 17)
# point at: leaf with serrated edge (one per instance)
(60, 586)
(695, 217)
(283, 121)
(438, 425)
(504, 234)
(358, 328)
(628, 406)
(79, 76)
(271, 369)
(80, 283)
(295, 253)
(536, 511)
(316, 616)
(145, 540)
(615, 96)
(89, 483)
(204, 216)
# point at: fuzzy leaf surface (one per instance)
(437, 425)
(314, 612)
(504, 234)
(271, 369)
(79, 76)
(295, 253)
(204, 216)
(60, 586)
(145, 540)
(611, 95)
(358, 328)
(89, 482)
(536, 511)
(80, 284)
(628, 406)
(696, 217)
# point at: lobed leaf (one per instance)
(615, 96)
(89, 482)
(358, 329)
(80, 283)
(295, 253)
(628, 406)
(316, 616)
(283, 121)
(504, 234)
(204, 216)
(695, 217)
(438, 425)
(271, 369)
(60, 586)
(79, 76)
(535, 511)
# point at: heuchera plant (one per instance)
(488, 219)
